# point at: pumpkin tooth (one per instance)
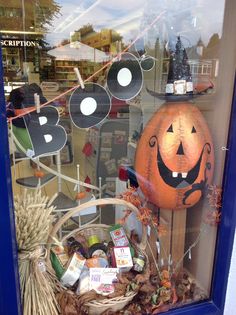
(174, 174)
(184, 175)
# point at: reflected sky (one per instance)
(191, 19)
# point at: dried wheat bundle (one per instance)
(33, 217)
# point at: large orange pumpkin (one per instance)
(174, 157)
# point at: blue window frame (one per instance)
(9, 285)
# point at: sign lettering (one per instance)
(18, 43)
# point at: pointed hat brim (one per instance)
(174, 97)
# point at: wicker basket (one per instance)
(102, 231)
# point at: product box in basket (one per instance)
(73, 270)
(68, 269)
(102, 280)
(118, 235)
(122, 258)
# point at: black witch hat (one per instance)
(179, 85)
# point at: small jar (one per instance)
(96, 248)
(75, 247)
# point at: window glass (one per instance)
(119, 100)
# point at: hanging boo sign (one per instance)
(89, 104)
(45, 134)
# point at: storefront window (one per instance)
(119, 100)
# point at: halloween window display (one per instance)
(178, 166)
(164, 156)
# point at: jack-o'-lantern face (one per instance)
(174, 158)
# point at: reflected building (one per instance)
(22, 27)
(203, 61)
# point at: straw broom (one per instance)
(33, 218)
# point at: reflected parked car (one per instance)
(202, 85)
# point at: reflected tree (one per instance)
(27, 15)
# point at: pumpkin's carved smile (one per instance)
(180, 180)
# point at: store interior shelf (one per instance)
(34, 182)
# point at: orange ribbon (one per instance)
(23, 111)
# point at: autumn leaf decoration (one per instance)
(146, 215)
(213, 215)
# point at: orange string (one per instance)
(94, 74)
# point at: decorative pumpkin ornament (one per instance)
(80, 195)
(39, 174)
(174, 158)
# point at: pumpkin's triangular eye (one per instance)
(170, 129)
(193, 130)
